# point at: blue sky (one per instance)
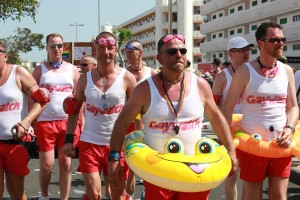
(57, 15)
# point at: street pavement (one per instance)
(32, 187)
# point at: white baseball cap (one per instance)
(238, 43)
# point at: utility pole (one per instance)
(170, 16)
(76, 25)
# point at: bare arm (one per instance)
(218, 87)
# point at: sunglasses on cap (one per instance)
(53, 46)
(170, 37)
(275, 40)
(173, 51)
(131, 47)
(106, 41)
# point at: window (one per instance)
(254, 51)
(220, 55)
(240, 8)
(220, 14)
(220, 35)
(284, 48)
(296, 47)
(283, 21)
(253, 27)
(231, 32)
(264, 1)
(296, 18)
(214, 56)
(240, 30)
(254, 3)
(214, 36)
(231, 10)
(214, 17)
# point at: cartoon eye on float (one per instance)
(256, 137)
(204, 146)
(174, 145)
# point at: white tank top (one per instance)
(60, 86)
(98, 122)
(13, 105)
(264, 103)
(147, 75)
(238, 108)
(159, 119)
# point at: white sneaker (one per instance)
(44, 198)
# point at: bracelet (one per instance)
(23, 127)
(69, 138)
(114, 155)
(290, 127)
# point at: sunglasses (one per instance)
(105, 106)
(53, 46)
(83, 64)
(173, 51)
(170, 37)
(243, 50)
(2, 51)
(131, 47)
(107, 41)
(275, 40)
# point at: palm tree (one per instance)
(123, 35)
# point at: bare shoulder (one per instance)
(153, 71)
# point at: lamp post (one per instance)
(76, 25)
(98, 17)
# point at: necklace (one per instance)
(169, 101)
(233, 71)
(136, 70)
(162, 77)
(268, 71)
(104, 78)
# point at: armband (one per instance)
(217, 99)
(114, 155)
(41, 95)
(69, 138)
(71, 105)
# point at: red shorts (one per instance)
(51, 134)
(255, 168)
(94, 158)
(158, 193)
(14, 159)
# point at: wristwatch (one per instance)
(290, 127)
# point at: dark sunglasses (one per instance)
(83, 64)
(2, 51)
(52, 46)
(275, 40)
(173, 51)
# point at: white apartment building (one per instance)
(225, 19)
(150, 26)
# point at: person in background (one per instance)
(226, 64)
(60, 78)
(147, 100)
(16, 85)
(239, 52)
(104, 91)
(266, 90)
(297, 86)
(87, 63)
(216, 64)
(134, 55)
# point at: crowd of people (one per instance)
(92, 112)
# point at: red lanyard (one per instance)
(169, 101)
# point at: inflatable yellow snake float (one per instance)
(254, 144)
(173, 170)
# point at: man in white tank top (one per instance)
(238, 50)
(134, 54)
(104, 91)
(60, 78)
(147, 99)
(16, 85)
(266, 89)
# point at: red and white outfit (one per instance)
(238, 108)
(99, 124)
(51, 124)
(264, 104)
(13, 108)
(159, 126)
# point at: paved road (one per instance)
(32, 184)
